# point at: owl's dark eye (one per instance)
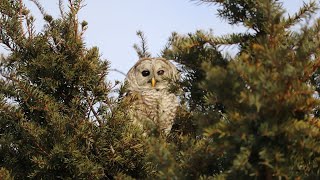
(161, 72)
(145, 73)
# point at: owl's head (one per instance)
(151, 73)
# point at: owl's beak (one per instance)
(153, 82)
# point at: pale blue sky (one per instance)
(113, 24)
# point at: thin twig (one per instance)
(61, 8)
(118, 71)
(20, 16)
(40, 7)
(90, 102)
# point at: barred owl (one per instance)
(152, 105)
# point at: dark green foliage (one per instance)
(258, 118)
(191, 51)
(57, 119)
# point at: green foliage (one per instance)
(57, 119)
(142, 50)
(191, 51)
(5, 174)
(257, 119)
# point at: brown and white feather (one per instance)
(154, 105)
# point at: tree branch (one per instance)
(40, 7)
(118, 71)
(61, 8)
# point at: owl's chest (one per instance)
(157, 99)
(154, 103)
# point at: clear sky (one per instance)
(113, 24)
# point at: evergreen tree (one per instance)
(261, 122)
(57, 120)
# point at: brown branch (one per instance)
(29, 28)
(61, 8)
(309, 72)
(90, 102)
(20, 16)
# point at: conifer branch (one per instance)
(11, 24)
(90, 103)
(75, 6)
(61, 8)
(20, 16)
(304, 12)
(40, 7)
(230, 39)
(29, 29)
(74, 18)
(142, 50)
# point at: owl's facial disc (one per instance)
(144, 74)
(161, 74)
(153, 74)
